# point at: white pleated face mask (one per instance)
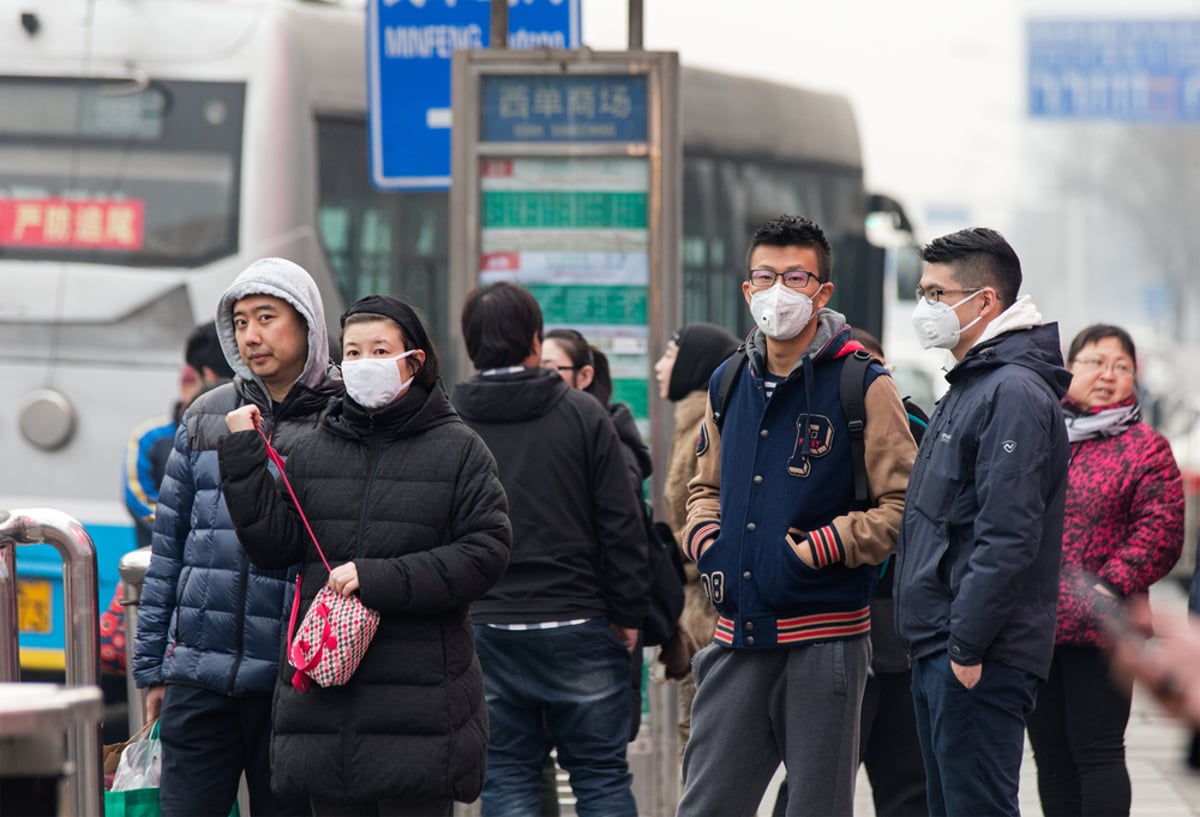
(936, 324)
(374, 382)
(781, 312)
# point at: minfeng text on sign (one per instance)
(93, 225)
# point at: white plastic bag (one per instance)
(141, 764)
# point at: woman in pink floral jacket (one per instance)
(1122, 531)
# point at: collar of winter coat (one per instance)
(301, 401)
(627, 430)
(510, 398)
(831, 341)
(418, 409)
(1035, 347)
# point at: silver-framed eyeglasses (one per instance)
(1090, 364)
(792, 279)
(934, 295)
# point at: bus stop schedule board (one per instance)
(574, 231)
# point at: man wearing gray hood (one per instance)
(211, 624)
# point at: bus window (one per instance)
(113, 172)
(392, 243)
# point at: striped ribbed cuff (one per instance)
(826, 546)
(700, 534)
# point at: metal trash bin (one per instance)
(35, 721)
(132, 569)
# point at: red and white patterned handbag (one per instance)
(336, 630)
(332, 639)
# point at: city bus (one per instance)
(150, 151)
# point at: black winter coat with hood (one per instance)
(579, 542)
(411, 496)
(980, 541)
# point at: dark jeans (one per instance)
(208, 740)
(1078, 737)
(972, 739)
(889, 747)
(574, 683)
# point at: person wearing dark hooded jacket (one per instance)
(210, 623)
(978, 557)
(407, 505)
(556, 632)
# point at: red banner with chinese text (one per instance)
(75, 224)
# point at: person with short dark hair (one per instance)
(407, 505)
(1122, 532)
(554, 635)
(785, 553)
(210, 623)
(978, 557)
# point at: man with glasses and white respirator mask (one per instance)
(785, 553)
(978, 557)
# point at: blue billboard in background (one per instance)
(571, 108)
(409, 48)
(1144, 71)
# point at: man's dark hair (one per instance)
(499, 323)
(203, 349)
(794, 231)
(1098, 332)
(978, 257)
(412, 330)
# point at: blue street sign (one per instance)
(1125, 70)
(573, 108)
(409, 46)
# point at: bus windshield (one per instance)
(119, 172)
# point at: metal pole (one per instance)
(132, 569)
(10, 639)
(499, 24)
(635, 25)
(81, 600)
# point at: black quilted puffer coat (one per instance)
(411, 495)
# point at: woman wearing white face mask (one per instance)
(407, 505)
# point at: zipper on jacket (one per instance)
(241, 622)
(373, 471)
(185, 574)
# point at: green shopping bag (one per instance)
(141, 763)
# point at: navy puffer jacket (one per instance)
(208, 617)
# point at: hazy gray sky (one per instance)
(938, 86)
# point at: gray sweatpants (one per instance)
(756, 708)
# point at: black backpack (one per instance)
(667, 578)
(853, 394)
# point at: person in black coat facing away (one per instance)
(408, 507)
(555, 634)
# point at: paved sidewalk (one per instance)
(1162, 785)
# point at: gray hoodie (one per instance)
(283, 279)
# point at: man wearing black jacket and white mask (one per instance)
(554, 635)
(976, 581)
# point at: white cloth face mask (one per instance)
(937, 324)
(781, 312)
(373, 382)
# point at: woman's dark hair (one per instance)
(1098, 332)
(412, 330)
(702, 347)
(499, 322)
(574, 344)
(601, 386)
